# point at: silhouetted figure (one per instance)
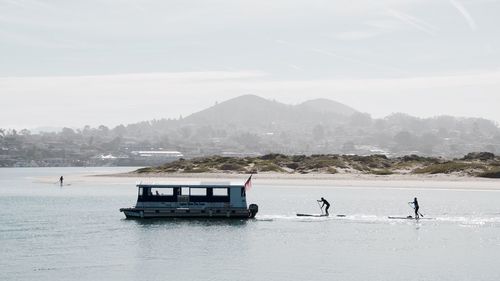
(416, 207)
(61, 180)
(325, 203)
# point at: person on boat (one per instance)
(61, 180)
(325, 203)
(416, 207)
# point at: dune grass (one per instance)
(331, 164)
(449, 167)
(493, 173)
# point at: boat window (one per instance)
(185, 191)
(167, 191)
(162, 191)
(141, 190)
(243, 194)
(220, 192)
(198, 192)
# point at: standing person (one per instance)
(416, 207)
(61, 180)
(325, 203)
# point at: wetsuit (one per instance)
(416, 207)
(325, 203)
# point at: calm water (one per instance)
(77, 233)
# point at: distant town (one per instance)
(250, 126)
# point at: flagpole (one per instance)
(248, 183)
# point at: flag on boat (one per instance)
(248, 183)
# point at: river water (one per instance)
(76, 232)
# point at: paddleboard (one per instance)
(317, 215)
(310, 215)
(408, 218)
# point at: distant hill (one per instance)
(326, 106)
(254, 111)
(243, 110)
(250, 125)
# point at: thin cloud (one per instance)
(195, 76)
(146, 96)
(414, 22)
(25, 3)
(463, 11)
(295, 67)
(357, 35)
(398, 84)
(328, 53)
(279, 41)
(357, 61)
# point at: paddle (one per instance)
(319, 205)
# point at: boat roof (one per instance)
(192, 184)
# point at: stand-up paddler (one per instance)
(416, 207)
(325, 203)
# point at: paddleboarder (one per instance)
(325, 203)
(416, 207)
(61, 180)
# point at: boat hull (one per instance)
(187, 213)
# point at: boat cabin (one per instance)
(185, 200)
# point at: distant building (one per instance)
(154, 157)
(111, 160)
(106, 157)
(158, 154)
(240, 154)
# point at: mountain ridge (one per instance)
(252, 109)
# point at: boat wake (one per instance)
(470, 221)
(364, 218)
(319, 218)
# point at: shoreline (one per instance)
(440, 181)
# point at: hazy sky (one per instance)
(71, 63)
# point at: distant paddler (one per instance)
(61, 180)
(325, 203)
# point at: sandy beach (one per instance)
(456, 182)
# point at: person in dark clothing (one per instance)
(61, 180)
(325, 203)
(416, 207)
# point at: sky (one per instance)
(76, 63)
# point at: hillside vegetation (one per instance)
(250, 125)
(482, 164)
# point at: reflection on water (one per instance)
(187, 222)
